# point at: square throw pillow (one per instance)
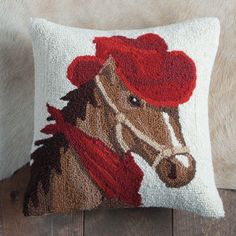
(121, 118)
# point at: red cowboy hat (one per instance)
(160, 77)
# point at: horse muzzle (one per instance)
(176, 170)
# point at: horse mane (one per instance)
(46, 158)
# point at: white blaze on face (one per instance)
(182, 158)
(175, 141)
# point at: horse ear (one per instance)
(108, 70)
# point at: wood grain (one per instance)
(14, 223)
(67, 224)
(106, 222)
(190, 224)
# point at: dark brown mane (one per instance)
(77, 102)
(47, 156)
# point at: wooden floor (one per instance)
(152, 221)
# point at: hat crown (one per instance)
(160, 77)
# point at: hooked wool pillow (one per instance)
(121, 118)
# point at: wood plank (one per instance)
(13, 222)
(67, 224)
(149, 221)
(190, 224)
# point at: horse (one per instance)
(106, 110)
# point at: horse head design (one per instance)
(152, 132)
(126, 101)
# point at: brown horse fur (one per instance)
(59, 182)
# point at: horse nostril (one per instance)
(172, 170)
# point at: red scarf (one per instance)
(119, 177)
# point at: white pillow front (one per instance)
(124, 115)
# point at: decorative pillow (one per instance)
(121, 118)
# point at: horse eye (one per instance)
(134, 101)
